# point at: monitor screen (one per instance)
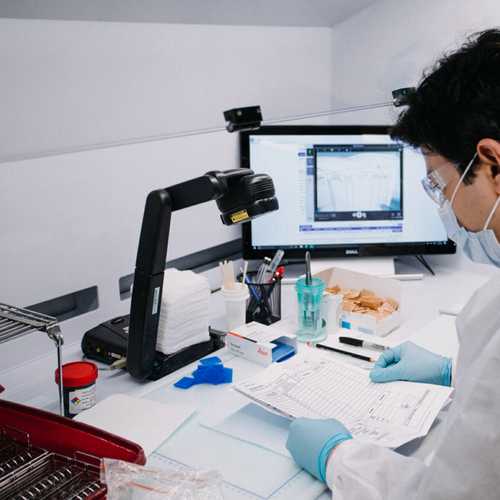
(342, 191)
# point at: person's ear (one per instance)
(488, 151)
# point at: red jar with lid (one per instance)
(79, 386)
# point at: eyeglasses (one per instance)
(434, 185)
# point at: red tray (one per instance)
(65, 436)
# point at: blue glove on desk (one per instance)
(410, 362)
(310, 442)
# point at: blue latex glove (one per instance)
(310, 442)
(410, 362)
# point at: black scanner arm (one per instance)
(150, 264)
(241, 195)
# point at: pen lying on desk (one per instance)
(361, 343)
(353, 354)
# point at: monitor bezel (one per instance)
(356, 250)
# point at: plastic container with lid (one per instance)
(310, 313)
(79, 386)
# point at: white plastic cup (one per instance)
(236, 304)
(331, 308)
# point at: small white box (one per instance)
(254, 342)
(383, 287)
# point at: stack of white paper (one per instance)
(315, 386)
(184, 313)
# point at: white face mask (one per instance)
(483, 246)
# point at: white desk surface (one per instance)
(33, 383)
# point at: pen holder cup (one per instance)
(311, 323)
(264, 304)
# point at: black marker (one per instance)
(354, 355)
(361, 343)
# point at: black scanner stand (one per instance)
(241, 195)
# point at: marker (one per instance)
(361, 343)
(354, 355)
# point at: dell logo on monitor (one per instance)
(352, 251)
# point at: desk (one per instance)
(250, 472)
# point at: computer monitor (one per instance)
(343, 191)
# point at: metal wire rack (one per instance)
(16, 322)
(30, 473)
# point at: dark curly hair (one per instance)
(457, 102)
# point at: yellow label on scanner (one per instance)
(239, 216)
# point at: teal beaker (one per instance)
(311, 323)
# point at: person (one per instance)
(454, 118)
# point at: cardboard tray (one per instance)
(383, 287)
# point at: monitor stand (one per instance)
(377, 266)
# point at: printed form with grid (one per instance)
(315, 385)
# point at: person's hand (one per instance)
(410, 362)
(310, 442)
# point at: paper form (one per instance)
(315, 386)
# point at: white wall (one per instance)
(68, 84)
(72, 221)
(232, 12)
(390, 43)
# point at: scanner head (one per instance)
(246, 195)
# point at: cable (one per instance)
(180, 134)
(329, 112)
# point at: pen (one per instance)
(361, 343)
(262, 269)
(234, 334)
(275, 262)
(354, 355)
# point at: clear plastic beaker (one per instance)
(310, 317)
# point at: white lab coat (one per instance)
(466, 464)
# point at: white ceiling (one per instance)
(235, 12)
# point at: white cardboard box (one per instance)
(383, 287)
(254, 342)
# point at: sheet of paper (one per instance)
(142, 421)
(254, 424)
(315, 386)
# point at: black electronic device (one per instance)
(345, 191)
(107, 342)
(239, 119)
(241, 195)
(400, 96)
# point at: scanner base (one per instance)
(107, 342)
